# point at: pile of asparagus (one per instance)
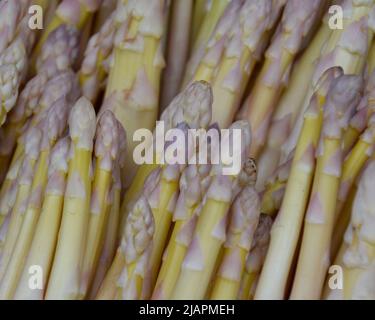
(79, 219)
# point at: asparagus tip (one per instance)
(82, 123)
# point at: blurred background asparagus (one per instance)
(297, 80)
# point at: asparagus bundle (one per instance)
(74, 203)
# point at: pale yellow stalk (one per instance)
(110, 241)
(192, 107)
(298, 19)
(177, 49)
(358, 260)
(289, 107)
(210, 231)
(110, 143)
(66, 272)
(243, 49)
(25, 178)
(240, 235)
(205, 32)
(43, 244)
(287, 227)
(52, 127)
(135, 72)
(255, 258)
(313, 259)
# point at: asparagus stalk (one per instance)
(60, 51)
(71, 12)
(313, 260)
(289, 107)
(25, 178)
(105, 10)
(356, 126)
(110, 142)
(353, 164)
(9, 190)
(199, 16)
(286, 229)
(3, 232)
(242, 51)
(340, 50)
(298, 19)
(100, 47)
(205, 31)
(192, 107)
(43, 244)
(8, 90)
(52, 127)
(137, 245)
(273, 194)
(371, 58)
(358, 258)
(255, 258)
(364, 111)
(134, 77)
(10, 14)
(108, 288)
(177, 50)
(65, 277)
(110, 241)
(164, 204)
(209, 235)
(59, 54)
(209, 58)
(12, 66)
(38, 95)
(275, 187)
(240, 234)
(194, 183)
